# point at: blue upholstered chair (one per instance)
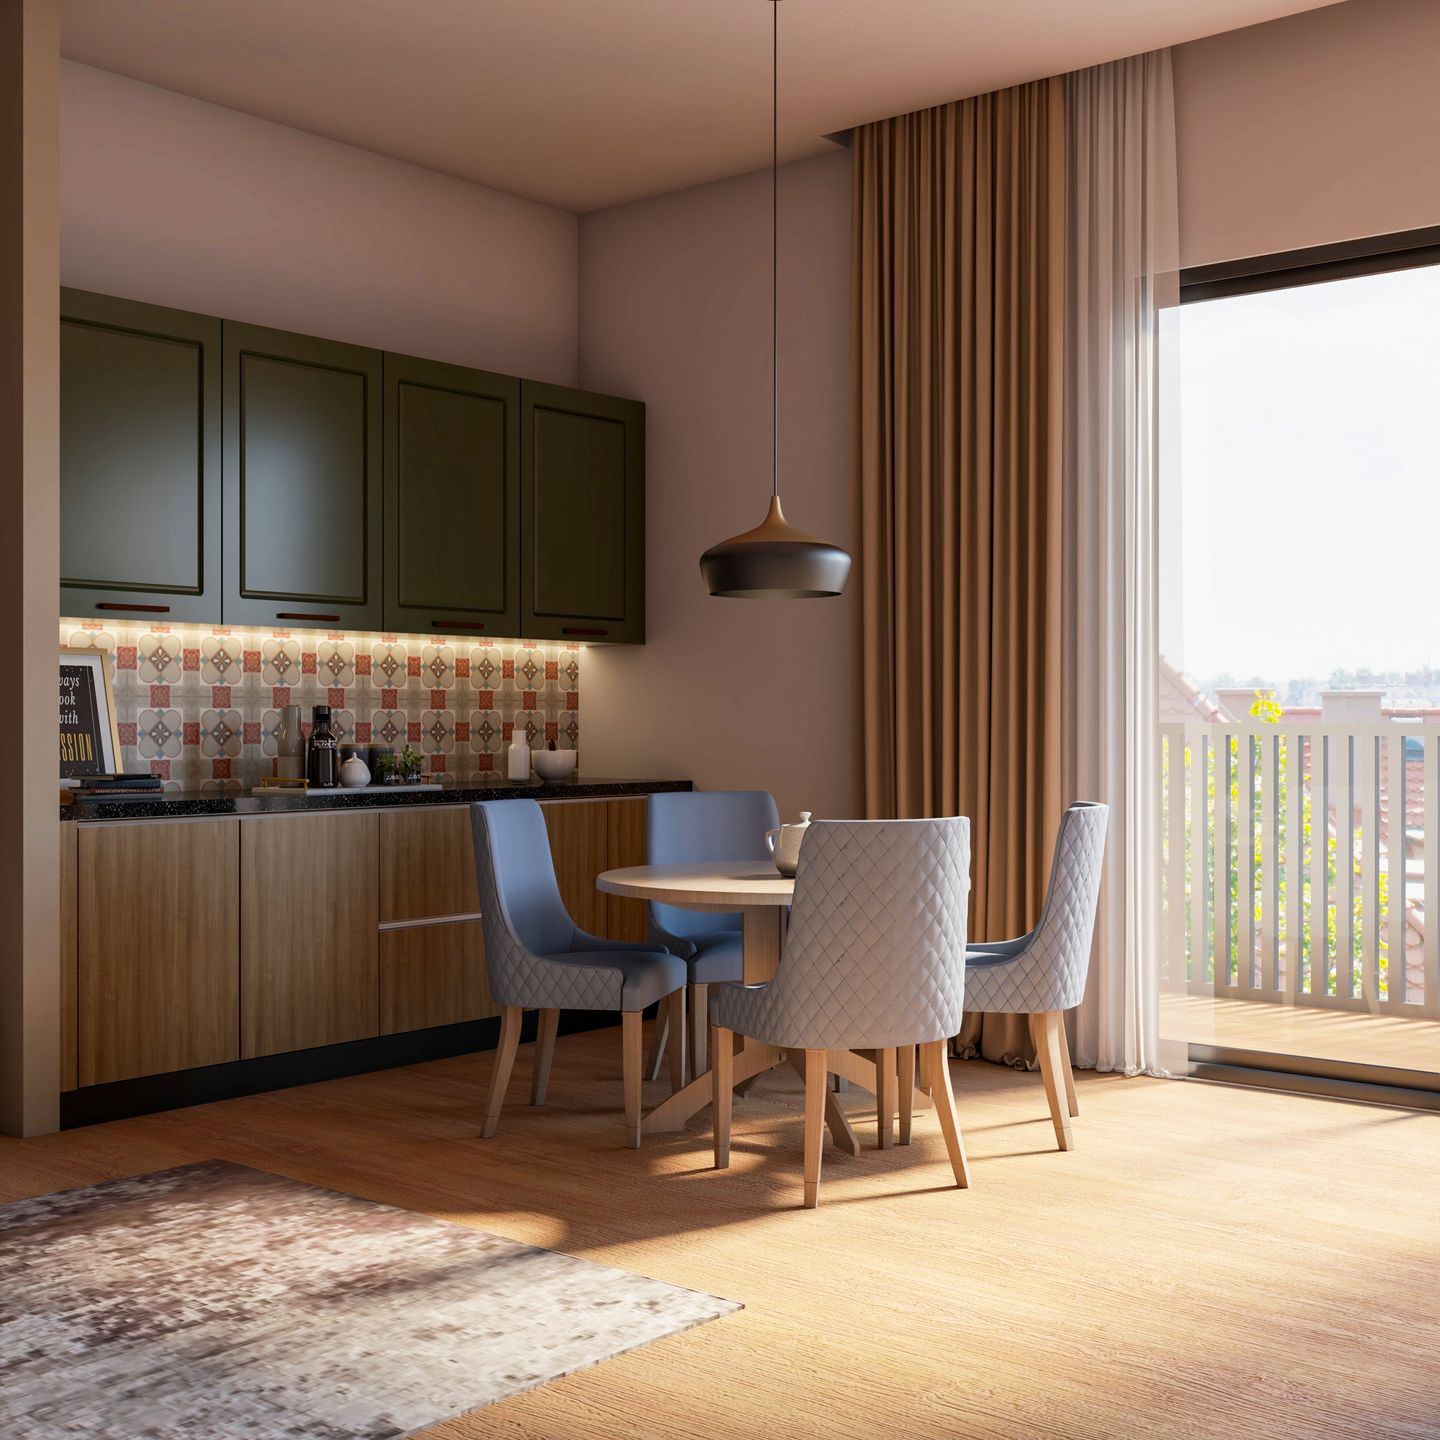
(874, 960)
(1042, 974)
(690, 828)
(537, 958)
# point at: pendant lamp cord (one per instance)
(775, 245)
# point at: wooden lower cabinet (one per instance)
(158, 947)
(69, 957)
(427, 863)
(310, 952)
(187, 943)
(580, 846)
(626, 919)
(433, 975)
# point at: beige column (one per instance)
(29, 563)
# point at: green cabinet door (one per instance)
(452, 499)
(302, 481)
(139, 460)
(582, 516)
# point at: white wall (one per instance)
(179, 202)
(1320, 127)
(675, 309)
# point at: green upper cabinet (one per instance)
(582, 520)
(452, 499)
(139, 460)
(214, 472)
(302, 481)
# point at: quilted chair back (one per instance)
(520, 905)
(875, 954)
(1061, 941)
(705, 825)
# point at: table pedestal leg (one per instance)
(672, 1114)
(764, 935)
(858, 1067)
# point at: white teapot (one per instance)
(784, 844)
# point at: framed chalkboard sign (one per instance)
(89, 739)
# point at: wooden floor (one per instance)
(1207, 1262)
(1354, 1036)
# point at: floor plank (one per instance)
(1207, 1262)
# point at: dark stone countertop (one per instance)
(176, 804)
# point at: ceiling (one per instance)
(588, 103)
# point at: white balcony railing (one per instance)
(1301, 862)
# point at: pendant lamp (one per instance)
(775, 561)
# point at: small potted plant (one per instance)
(386, 772)
(411, 762)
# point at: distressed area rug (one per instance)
(218, 1301)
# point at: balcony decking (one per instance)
(1355, 1037)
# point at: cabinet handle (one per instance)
(581, 630)
(457, 624)
(143, 609)
(300, 615)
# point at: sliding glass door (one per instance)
(1300, 671)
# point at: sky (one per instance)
(1309, 466)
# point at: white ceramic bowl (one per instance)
(553, 764)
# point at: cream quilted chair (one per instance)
(1042, 974)
(874, 959)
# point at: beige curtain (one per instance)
(957, 346)
(1123, 243)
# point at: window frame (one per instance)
(1317, 265)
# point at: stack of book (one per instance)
(119, 787)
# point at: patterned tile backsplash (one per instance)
(198, 705)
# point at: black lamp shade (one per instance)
(775, 561)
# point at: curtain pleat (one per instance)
(1122, 245)
(957, 353)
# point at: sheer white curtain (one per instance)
(1123, 251)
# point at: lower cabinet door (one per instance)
(580, 846)
(310, 962)
(433, 975)
(427, 863)
(626, 919)
(158, 920)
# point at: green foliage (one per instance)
(1277, 763)
(1266, 707)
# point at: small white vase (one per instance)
(354, 773)
(518, 756)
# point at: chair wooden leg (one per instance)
(699, 1027)
(814, 1123)
(510, 1018)
(549, 1022)
(1071, 1103)
(662, 1040)
(723, 1102)
(633, 1043)
(934, 1065)
(675, 1005)
(906, 1067)
(885, 1095)
(1045, 1032)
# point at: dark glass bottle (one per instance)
(324, 771)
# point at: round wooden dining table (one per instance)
(762, 896)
